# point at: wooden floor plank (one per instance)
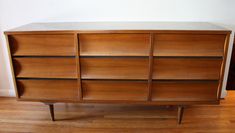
(33, 117)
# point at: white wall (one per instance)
(18, 12)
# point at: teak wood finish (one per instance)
(114, 44)
(46, 45)
(45, 67)
(145, 63)
(121, 90)
(48, 89)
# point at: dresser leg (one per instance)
(51, 108)
(180, 113)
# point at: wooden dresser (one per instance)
(135, 62)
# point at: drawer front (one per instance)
(48, 89)
(114, 90)
(188, 45)
(114, 44)
(114, 68)
(42, 45)
(184, 90)
(45, 67)
(187, 68)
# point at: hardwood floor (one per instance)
(22, 117)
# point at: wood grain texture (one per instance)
(45, 67)
(48, 89)
(42, 45)
(150, 74)
(115, 90)
(184, 90)
(189, 45)
(187, 68)
(114, 68)
(33, 117)
(114, 44)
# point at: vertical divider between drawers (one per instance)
(150, 66)
(76, 44)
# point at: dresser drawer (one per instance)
(114, 68)
(188, 45)
(184, 90)
(42, 45)
(114, 90)
(114, 44)
(187, 68)
(45, 67)
(48, 89)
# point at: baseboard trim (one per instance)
(6, 93)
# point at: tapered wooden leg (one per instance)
(180, 113)
(51, 108)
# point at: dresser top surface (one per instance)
(119, 26)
